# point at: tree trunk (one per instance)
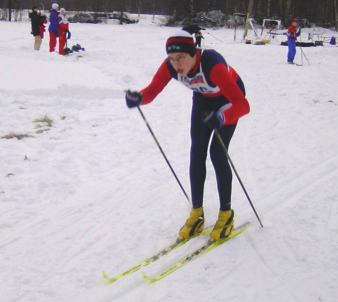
(9, 10)
(250, 7)
(336, 13)
(192, 8)
(139, 8)
(268, 8)
(248, 15)
(288, 8)
(154, 9)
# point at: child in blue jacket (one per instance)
(53, 26)
(292, 37)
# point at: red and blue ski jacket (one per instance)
(210, 77)
(293, 33)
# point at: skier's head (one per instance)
(62, 11)
(181, 41)
(55, 6)
(294, 22)
(181, 51)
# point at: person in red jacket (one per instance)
(218, 102)
(42, 27)
(63, 30)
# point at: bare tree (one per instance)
(323, 11)
(13, 6)
(10, 10)
(192, 7)
(248, 15)
(139, 6)
(336, 13)
(268, 8)
(288, 11)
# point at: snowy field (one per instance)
(88, 191)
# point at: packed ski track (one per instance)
(90, 192)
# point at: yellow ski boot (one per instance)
(223, 226)
(193, 225)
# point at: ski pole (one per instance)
(237, 175)
(303, 54)
(165, 157)
(214, 37)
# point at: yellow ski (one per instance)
(165, 251)
(207, 247)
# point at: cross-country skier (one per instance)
(218, 102)
(198, 38)
(293, 33)
(53, 26)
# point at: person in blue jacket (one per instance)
(293, 33)
(53, 26)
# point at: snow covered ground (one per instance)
(90, 191)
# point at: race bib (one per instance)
(197, 83)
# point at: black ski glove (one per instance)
(214, 120)
(133, 98)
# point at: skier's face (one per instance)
(182, 62)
